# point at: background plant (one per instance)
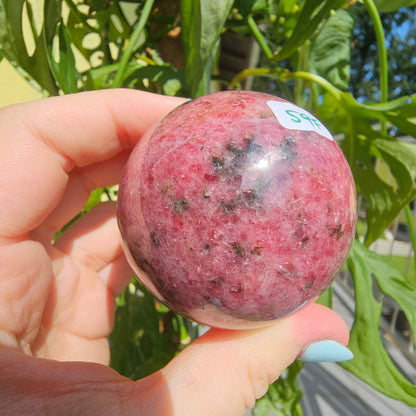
(324, 55)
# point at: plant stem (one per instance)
(259, 37)
(258, 72)
(382, 53)
(321, 81)
(285, 75)
(128, 52)
(410, 223)
(302, 65)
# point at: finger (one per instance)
(38, 387)
(224, 372)
(78, 189)
(90, 271)
(94, 241)
(42, 141)
(78, 315)
(23, 294)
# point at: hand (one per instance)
(57, 300)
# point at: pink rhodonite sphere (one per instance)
(237, 209)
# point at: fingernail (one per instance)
(326, 350)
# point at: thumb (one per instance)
(224, 372)
(221, 373)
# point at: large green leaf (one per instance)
(79, 28)
(372, 363)
(365, 144)
(13, 46)
(104, 26)
(312, 15)
(330, 50)
(385, 199)
(386, 6)
(202, 22)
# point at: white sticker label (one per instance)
(293, 117)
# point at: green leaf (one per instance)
(399, 112)
(246, 7)
(326, 298)
(63, 65)
(13, 45)
(372, 363)
(163, 79)
(202, 22)
(385, 199)
(78, 28)
(143, 339)
(387, 6)
(102, 76)
(313, 13)
(107, 26)
(403, 115)
(366, 148)
(330, 50)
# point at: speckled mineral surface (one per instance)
(237, 209)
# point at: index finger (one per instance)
(42, 141)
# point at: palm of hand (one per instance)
(74, 307)
(57, 301)
(60, 300)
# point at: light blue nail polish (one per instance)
(326, 350)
